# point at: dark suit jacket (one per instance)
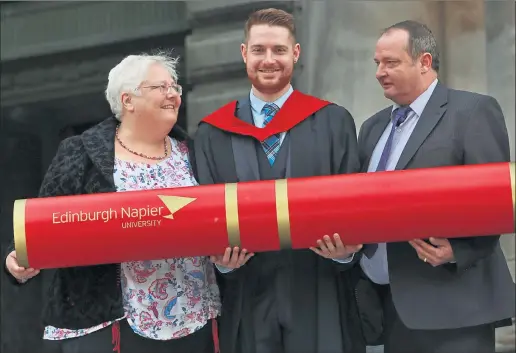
(456, 128)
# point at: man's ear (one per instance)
(426, 62)
(297, 52)
(243, 50)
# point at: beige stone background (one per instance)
(55, 56)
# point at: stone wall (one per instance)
(49, 61)
(500, 79)
(59, 26)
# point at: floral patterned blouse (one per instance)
(163, 299)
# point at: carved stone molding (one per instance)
(208, 97)
(62, 76)
(56, 81)
(61, 26)
(214, 54)
(213, 12)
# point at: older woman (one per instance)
(139, 306)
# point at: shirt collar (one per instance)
(257, 104)
(419, 104)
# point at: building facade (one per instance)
(55, 57)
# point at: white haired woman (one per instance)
(140, 306)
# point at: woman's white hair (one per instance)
(130, 73)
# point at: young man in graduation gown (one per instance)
(287, 301)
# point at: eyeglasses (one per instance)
(166, 89)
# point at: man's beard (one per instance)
(269, 87)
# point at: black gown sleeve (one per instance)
(204, 171)
(345, 158)
(344, 142)
(203, 165)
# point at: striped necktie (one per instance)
(271, 145)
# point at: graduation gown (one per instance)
(309, 297)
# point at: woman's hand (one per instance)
(232, 258)
(22, 274)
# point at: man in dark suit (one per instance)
(438, 295)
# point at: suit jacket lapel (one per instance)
(244, 147)
(374, 136)
(432, 113)
(99, 142)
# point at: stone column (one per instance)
(337, 48)
(500, 54)
(500, 58)
(500, 75)
(464, 45)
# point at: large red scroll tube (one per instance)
(459, 201)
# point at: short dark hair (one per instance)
(271, 17)
(421, 40)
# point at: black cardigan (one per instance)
(82, 297)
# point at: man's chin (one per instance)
(270, 86)
(387, 94)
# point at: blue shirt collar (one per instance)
(257, 104)
(419, 104)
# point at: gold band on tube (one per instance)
(512, 172)
(20, 240)
(232, 222)
(283, 214)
